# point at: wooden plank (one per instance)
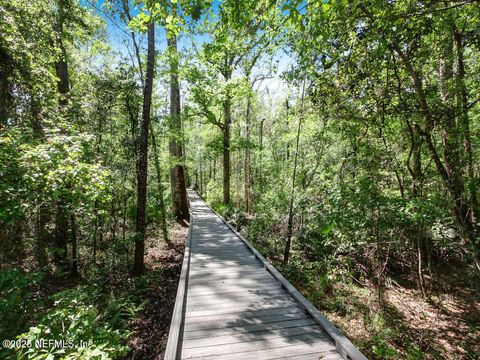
(255, 344)
(265, 335)
(238, 296)
(226, 291)
(216, 283)
(212, 275)
(196, 334)
(212, 258)
(333, 355)
(208, 321)
(237, 310)
(226, 262)
(223, 267)
(229, 285)
(224, 321)
(346, 348)
(226, 272)
(274, 353)
(221, 304)
(241, 308)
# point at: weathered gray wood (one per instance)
(223, 300)
(203, 287)
(238, 296)
(334, 355)
(258, 314)
(173, 348)
(234, 304)
(265, 335)
(239, 322)
(231, 272)
(229, 291)
(275, 353)
(242, 310)
(345, 347)
(196, 334)
(256, 344)
(230, 308)
(224, 321)
(219, 283)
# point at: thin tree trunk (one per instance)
(140, 228)
(260, 156)
(227, 116)
(449, 171)
(286, 253)
(95, 233)
(160, 189)
(246, 159)
(63, 86)
(5, 68)
(42, 235)
(465, 128)
(43, 211)
(177, 171)
(214, 169)
(61, 233)
(74, 245)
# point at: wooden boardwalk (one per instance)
(232, 304)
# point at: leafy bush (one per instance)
(16, 302)
(82, 315)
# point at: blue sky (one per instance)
(120, 41)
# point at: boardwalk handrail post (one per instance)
(172, 351)
(346, 349)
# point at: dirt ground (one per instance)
(150, 328)
(446, 326)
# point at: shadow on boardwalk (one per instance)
(235, 309)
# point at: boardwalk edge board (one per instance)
(345, 347)
(172, 350)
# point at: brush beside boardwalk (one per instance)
(232, 304)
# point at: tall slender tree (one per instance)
(140, 227)
(63, 85)
(177, 171)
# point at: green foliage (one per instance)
(383, 350)
(82, 314)
(17, 301)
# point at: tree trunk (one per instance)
(260, 157)
(451, 141)
(63, 86)
(177, 172)
(448, 170)
(140, 228)
(5, 68)
(227, 116)
(417, 232)
(286, 253)
(61, 233)
(161, 201)
(43, 212)
(74, 245)
(464, 123)
(246, 159)
(95, 233)
(43, 217)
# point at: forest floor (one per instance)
(446, 326)
(151, 326)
